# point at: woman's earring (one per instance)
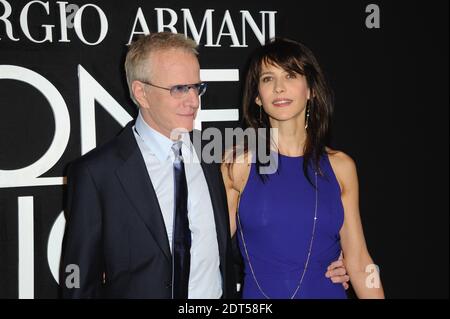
(260, 114)
(308, 107)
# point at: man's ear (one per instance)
(139, 94)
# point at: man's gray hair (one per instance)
(136, 61)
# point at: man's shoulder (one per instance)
(106, 154)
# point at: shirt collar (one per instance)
(159, 144)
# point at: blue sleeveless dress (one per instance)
(276, 222)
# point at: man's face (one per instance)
(160, 109)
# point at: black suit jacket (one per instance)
(115, 231)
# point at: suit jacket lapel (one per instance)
(138, 188)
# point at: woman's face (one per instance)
(283, 94)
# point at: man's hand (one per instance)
(337, 273)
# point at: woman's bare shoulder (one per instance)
(236, 168)
(344, 167)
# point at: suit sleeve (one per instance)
(81, 268)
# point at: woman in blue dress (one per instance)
(291, 224)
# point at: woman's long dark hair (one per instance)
(291, 56)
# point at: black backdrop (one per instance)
(391, 92)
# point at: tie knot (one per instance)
(176, 149)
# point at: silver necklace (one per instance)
(309, 250)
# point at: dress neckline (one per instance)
(287, 156)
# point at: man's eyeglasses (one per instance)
(181, 90)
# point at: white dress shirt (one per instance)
(205, 280)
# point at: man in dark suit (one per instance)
(146, 217)
(124, 197)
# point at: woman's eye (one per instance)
(291, 76)
(266, 79)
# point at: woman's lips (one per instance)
(281, 102)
